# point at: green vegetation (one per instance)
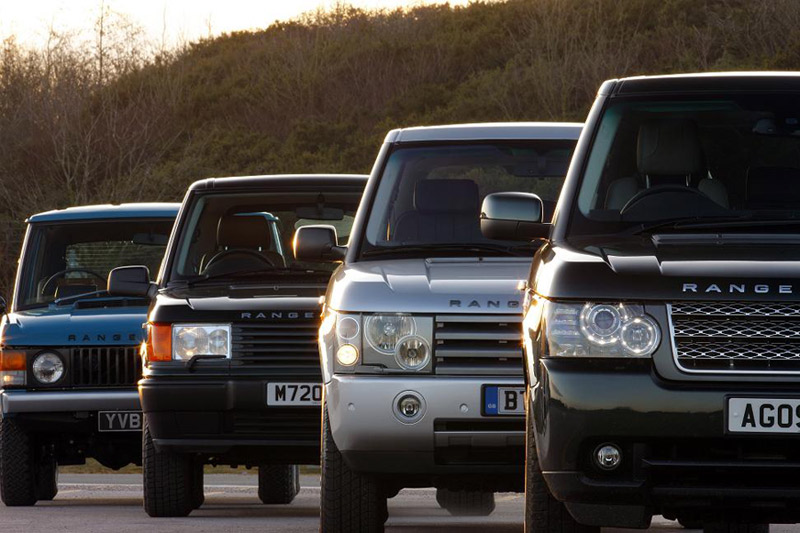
(109, 121)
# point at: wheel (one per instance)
(543, 513)
(733, 527)
(690, 523)
(168, 480)
(278, 484)
(466, 502)
(47, 479)
(350, 502)
(198, 492)
(17, 466)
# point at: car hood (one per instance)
(434, 285)
(668, 268)
(70, 326)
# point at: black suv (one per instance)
(662, 316)
(231, 372)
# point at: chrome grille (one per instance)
(106, 366)
(478, 345)
(281, 345)
(749, 337)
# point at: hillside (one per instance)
(112, 123)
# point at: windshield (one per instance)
(235, 234)
(67, 259)
(692, 161)
(430, 196)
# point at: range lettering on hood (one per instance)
(737, 288)
(103, 337)
(488, 304)
(280, 315)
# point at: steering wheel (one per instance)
(654, 191)
(61, 273)
(226, 253)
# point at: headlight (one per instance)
(384, 331)
(48, 367)
(597, 329)
(412, 353)
(189, 340)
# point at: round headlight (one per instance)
(347, 327)
(640, 336)
(601, 323)
(412, 353)
(347, 355)
(218, 342)
(48, 367)
(191, 341)
(384, 331)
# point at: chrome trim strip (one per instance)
(66, 401)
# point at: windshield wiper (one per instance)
(231, 276)
(689, 222)
(414, 249)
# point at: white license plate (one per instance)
(119, 421)
(303, 394)
(503, 400)
(763, 415)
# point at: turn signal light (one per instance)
(159, 342)
(12, 360)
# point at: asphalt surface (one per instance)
(112, 503)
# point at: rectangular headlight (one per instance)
(189, 340)
(592, 329)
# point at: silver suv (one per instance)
(420, 341)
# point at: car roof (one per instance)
(489, 131)
(109, 211)
(283, 180)
(705, 82)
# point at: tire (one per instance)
(690, 523)
(350, 502)
(278, 484)
(17, 466)
(198, 492)
(47, 479)
(543, 513)
(168, 480)
(732, 527)
(466, 502)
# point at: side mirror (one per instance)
(3, 306)
(513, 216)
(131, 281)
(317, 243)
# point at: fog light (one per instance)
(607, 456)
(347, 355)
(409, 406)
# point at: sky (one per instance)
(170, 21)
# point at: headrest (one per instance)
(773, 187)
(669, 147)
(446, 196)
(243, 231)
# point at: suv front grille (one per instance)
(280, 344)
(106, 366)
(750, 337)
(478, 345)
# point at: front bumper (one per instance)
(678, 459)
(452, 437)
(228, 418)
(22, 401)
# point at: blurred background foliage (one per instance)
(116, 119)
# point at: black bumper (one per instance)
(229, 419)
(678, 459)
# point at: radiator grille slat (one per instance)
(742, 337)
(478, 345)
(278, 344)
(113, 366)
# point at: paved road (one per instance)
(112, 502)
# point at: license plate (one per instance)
(119, 421)
(763, 415)
(302, 394)
(503, 400)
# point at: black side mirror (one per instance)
(3, 306)
(131, 281)
(513, 216)
(317, 243)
